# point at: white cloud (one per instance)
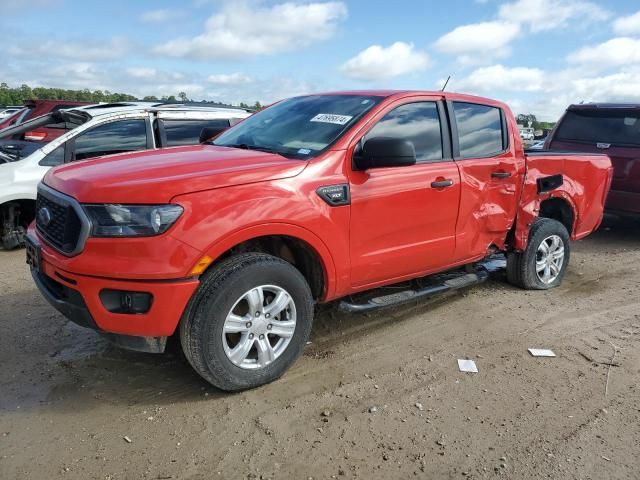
(229, 78)
(621, 51)
(629, 25)
(479, 41)
(73, 50)
(377, 62)
(498, 78)
(240, 30)
(142, 72)
(160, 15)
(542, 15)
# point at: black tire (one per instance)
(221, 287)
(521, 266)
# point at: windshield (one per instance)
(616, 127)
(299, 127)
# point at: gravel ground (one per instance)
(374, 396)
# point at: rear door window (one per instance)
(187, 132)
(480, 130)
(615, 127)
(114, 137)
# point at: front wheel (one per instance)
(248, 322)
(544, 262)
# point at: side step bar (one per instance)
(462, 281)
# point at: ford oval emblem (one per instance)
(44, 216)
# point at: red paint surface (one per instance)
(397, 226)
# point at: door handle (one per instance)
(500, 174)
(442, 183)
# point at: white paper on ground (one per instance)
(541, 352)
(468, 366)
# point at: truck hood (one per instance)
(158, 176)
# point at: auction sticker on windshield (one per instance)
(331, 118)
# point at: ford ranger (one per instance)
(317, 198)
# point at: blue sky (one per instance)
(538, 55)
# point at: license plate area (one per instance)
(34, 257)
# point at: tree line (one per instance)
(18, 95)
(525, 119)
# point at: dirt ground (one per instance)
(374, 396)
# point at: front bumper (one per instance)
(77, 297)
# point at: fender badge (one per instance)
(603, 146)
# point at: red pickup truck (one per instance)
(36, 108)
(316, 198)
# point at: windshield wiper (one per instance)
(246, 146)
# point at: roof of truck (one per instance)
(587, 106)
(460, 97)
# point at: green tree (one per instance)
(525, 119)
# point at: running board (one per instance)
(455, 283)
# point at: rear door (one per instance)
(403, 218)
(490, 176)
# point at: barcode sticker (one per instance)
(331, 118)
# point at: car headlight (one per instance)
(111, 220)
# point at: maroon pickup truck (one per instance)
(608, 128)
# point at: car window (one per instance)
(616, 127)
(479, 129)
(187, 132)
(300, 127)
(56, 157)
(115, 137)
(418, 123)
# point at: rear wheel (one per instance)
(248, 322)
(544, 262)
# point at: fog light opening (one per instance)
(126, 302)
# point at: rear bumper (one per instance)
(623, 202)
(78, 298)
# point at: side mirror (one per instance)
(207, 133)
(381, 152)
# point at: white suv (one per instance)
(94, 131)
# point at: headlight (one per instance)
(112, 220)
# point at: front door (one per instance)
(403, 219)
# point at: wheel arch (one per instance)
(560, 209)
(294, 244)
(556, 206)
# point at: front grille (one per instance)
(58, 221)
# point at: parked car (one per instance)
(9, 111)
(93, 131)
(36, 108)
(537, 145)
(613, 129)
(313, 199)
(526, 134)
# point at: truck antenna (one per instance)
(446, 83)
